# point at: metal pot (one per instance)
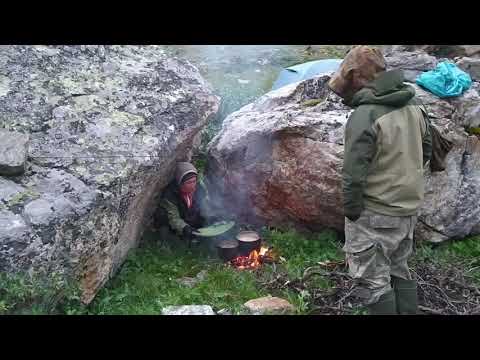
(248, 241)
(227, 250)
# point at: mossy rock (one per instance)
(312, 102)
(22, 197)
(474, 131)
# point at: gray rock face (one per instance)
(106, 126)
(471, 66)
(278, 162)
(13, 152)
(412, 63)
(467, 107)
(188, 310)
(448, 51)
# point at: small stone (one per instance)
(13, 152)
(188, 310)
(190, 281)
(269, 305)
(201, 275)
(187, 281)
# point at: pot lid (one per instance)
(248, 236)
(228, 244)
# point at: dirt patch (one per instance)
(442, 290)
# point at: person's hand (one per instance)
(187, 231)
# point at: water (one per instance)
(240, 74)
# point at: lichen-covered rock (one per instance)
(106, 126)
(471, 66)
(278, 162)
(467, 107)
(412, 63)
(448, 51)
(13, 152)
(451, 208)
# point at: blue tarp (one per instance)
(305, 71)
(446, 80)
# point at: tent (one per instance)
(305, 71)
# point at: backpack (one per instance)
(441, 146)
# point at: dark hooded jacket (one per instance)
(173, 210)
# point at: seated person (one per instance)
(182, 206)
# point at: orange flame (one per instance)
(252, 261)
(263, 250)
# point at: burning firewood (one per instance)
(255, 259)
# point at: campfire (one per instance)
(254, 259)
(247, 251)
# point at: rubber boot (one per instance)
(405, 295)
(385, 305)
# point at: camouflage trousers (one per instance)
(378, 247)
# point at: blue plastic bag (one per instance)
(446, 80)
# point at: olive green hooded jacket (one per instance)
(387, 144)
(172, 209)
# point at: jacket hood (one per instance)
(364, 62)
(387, 89)
(183, 169)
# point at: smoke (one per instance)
(239, 74)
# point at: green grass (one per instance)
(37, 295)
(474, 130)
(147, 282)
(463, 253)
(460, 250)
(301, 251)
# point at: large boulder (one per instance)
(106, 126)
(412, 63)
(448, 51)
(278, 162)
(471, 66)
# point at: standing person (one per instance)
(387, 145)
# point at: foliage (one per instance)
(39, 294)
(149, 279)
